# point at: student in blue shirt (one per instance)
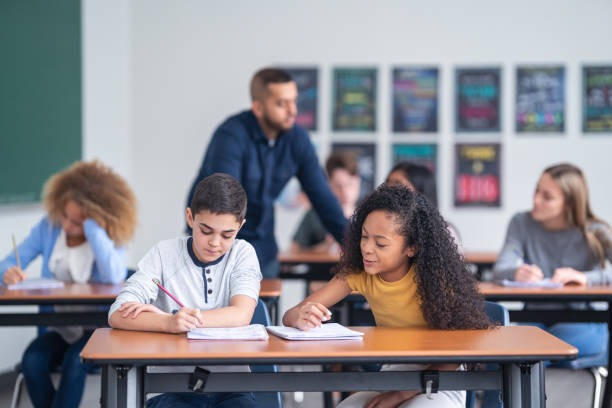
(263, 149)
(91, 213)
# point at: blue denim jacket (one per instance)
(240, 148)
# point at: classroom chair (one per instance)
(597, 366)
(265, 399)
(498, 314)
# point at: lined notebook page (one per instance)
(37, 283)
(327, 331)
(250, 332)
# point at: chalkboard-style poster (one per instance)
(597, 99)
(540, 99)
(366, 161)
(354, 104)
(415, 99)
(425, 154)
(477, 175)
(477, 99)
(307, 80)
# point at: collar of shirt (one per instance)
(195, 259)
(260, 135)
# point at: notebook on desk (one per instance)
(250, 332)
(327, 331)
(36, 283)
(544, 284)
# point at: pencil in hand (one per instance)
(16, 252)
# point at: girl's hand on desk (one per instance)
(185, 319)
(311, 315)
(13, 275)
(135, 308)
(391, 399)
(569, 275)
(528, 273)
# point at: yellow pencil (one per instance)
(16, 253)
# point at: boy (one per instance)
(215, 276)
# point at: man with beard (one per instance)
(263, 148)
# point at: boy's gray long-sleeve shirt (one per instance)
(550, 250)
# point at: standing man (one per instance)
(263, 148)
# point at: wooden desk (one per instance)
(566, 294)
(86, 294)
(125, 355)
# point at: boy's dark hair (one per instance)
(264, 77)
(220, 193)
(446, 287)
(342, 159)
(421, 177)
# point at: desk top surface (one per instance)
(289, 257)
(381, 344)
(492, 289)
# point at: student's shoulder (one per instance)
(238, 123)
(173, 246)
(242, 248)
(522, 219)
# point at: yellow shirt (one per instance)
(394, 304)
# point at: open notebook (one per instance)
(250, 332)
(327, 331)
(37, 283)
(544, 283)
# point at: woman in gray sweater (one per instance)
(561, 239)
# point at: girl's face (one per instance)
(72, 220)
(397, 178)
(213, 234)
(345, 186)
(548, 201)
(383, 247)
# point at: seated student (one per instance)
(560, 239)
(344, 181)
(419, 178)
(398, 253)
(91, 213)
(214, 275)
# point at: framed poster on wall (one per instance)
(354, 99)
(477, 99)
(540, 99)
(415, 99)
(477, 175)
(307, 81)
(421, 153)
(597, 98)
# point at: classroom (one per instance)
(142, 85)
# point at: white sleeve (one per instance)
(246, 275)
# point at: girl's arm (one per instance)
(313, 310)
(110, 259)
(29, 248)
(509, 259)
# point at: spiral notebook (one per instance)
(327, 331)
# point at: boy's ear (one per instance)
(189, 217)
(242, 223)
(410, 251)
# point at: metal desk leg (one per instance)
(608, 390)
(129, 386)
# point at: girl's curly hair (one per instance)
(447, 289)
(102, 195)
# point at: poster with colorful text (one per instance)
(477, 97)
(420, 153)
(540, 99)
(597, 99)
(354, 101)
(415, 99)
(477, 175)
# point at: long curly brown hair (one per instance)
(102, 195)
(447, 289)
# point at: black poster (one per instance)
(477, 175)
(307, 80)
(597, 99)
(540, 99)
(477, 99)
(415, 99)
(354, 102)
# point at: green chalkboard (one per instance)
(40, 94)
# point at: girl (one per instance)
(398, 253)
(561, 239)
(91, 212)
(419, 178)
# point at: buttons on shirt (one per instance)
(209, 279)
(208, 271)
(209, 291)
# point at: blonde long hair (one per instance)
(578, 211)
(102, 195)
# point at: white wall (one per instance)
(106, 133)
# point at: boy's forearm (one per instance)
(230, 316)
(145, 321)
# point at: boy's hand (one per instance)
(135, 308)
(528, 273)
(311, 315)
(13, 275)
(184, 320)
(569, 275)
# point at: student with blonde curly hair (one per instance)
(91, 214)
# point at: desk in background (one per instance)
(566, 294)
(125, 356)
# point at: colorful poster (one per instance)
(354, 104)
(366, 161)
(477, 92)
(597, 99)
(425, 154)
(540, 99)
(307, 80)
(415, 99)
(477, 175)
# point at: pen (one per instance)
(16, 253)
(155, 281)
(519, 255)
